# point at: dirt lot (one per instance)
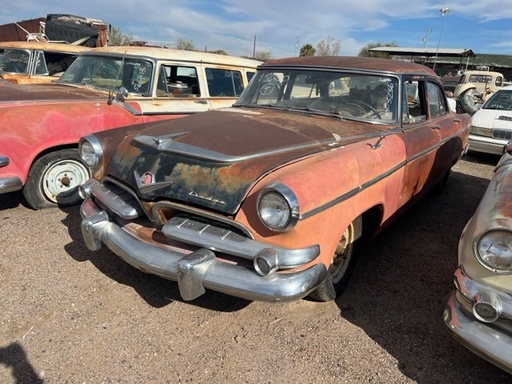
(68, 315)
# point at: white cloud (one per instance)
(231, 25)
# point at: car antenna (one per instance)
(110, 92)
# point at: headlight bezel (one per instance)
(478, 248)
(288, 200)
(480, 131)
(92, 143)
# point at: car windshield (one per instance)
(110, 73)
(501, 100)
(350, 95)
(14, 61)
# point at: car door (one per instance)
(446, 125)
(421, 140)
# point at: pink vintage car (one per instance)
(103, 88)
(269, 200)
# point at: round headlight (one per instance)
(91, 151)
(278, 208)
(494, 250)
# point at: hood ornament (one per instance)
(147, 178)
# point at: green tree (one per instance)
(365, 51)
(262, 55)
(307, 50)
(186, 45)
(219, 52)
(116, 37)
(329, 47)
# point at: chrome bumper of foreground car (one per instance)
(484, 339)
(10, 184)
(488, 145)
(198, 270)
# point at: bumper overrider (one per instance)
(195, 266)
(8, 183)
(490, 339)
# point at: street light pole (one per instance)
(425, 39)
(443, 11)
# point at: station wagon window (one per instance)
(110, 73)
(14, 60)
(180, 80)
(436, 100)
(224, 82)
(57, 62)
(40, 64)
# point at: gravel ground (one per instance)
(68, 315)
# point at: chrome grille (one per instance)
(501, 134)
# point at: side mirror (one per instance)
(121, 94)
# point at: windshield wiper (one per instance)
(322, 112)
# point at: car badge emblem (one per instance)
(147, 178)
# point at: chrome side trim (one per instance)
(198, 270)
(4, 161)
(10, 184)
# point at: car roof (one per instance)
(175, 54)
(481, 72)
(47, 47)
(354, 62)
(505, 88)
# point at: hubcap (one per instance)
(63, 177)
(342, 255)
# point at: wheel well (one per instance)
(372, 219)
(53, 149)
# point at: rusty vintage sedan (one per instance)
(478, 311)
(270, 199)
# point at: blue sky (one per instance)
(282, 27)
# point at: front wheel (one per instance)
(342, 264)
(54, 179)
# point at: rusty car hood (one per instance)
(45, 92)
(211, 159)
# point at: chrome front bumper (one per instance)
(482, 144)
(198, 270)
(489, 341)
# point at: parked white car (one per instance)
(491, 125)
